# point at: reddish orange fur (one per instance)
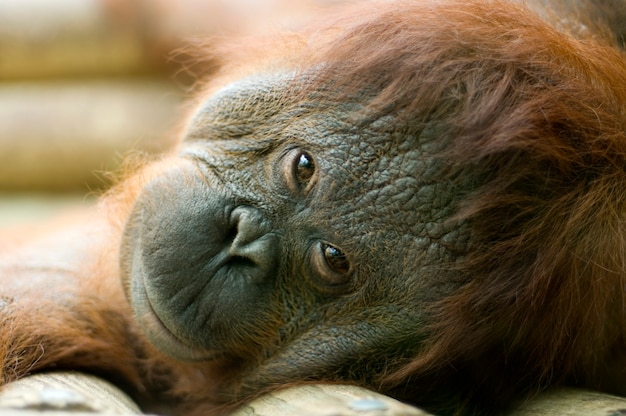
(547, 265)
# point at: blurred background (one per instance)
(85, 83)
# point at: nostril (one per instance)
(231, 234)
(241, 261)
(250, 244)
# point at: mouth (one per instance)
(158, 333)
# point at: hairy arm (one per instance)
(61, 303)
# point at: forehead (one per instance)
(285, 105)
(240, 108)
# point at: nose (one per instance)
(250, 241)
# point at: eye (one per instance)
(331, 264)
(304, 168)
(335, 259)
(299, 170)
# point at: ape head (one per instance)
(276, 234)
(428, 201)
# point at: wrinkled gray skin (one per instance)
(227, 248)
